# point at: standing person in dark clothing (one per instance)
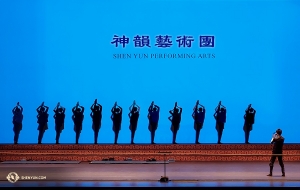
(59, 117)
(78, 119)
(96, 116)
(153, 116)
(198, 115)
(249, 121)
(277, 142)
(175, 118)
(17, 121)
(42, 121)
(116, 117)
(134, 116)
(220, 117)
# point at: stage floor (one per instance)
(193, 174)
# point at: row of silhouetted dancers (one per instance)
(116, 117)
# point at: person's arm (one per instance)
(204, 110)
(46, 108)
(171, 112)
(73, 109)
(158, 108)
(195, 107)
(218, 107)
(216, 115)
(63, 110)
(129, 115)
(121, 110)
(112, 117)
(275, 138)
(138, 108)
(130, 107)
(175, 106)
(13, 110)
(38, 109)
(113, 108)
(100, 108)
(91, 114)
(193, 115)
(82, 109)
(180, 108)
(170, 118)
(249, 106)
(21, 108)
(55, 109)
(150, 107)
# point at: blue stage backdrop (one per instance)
(238, 52)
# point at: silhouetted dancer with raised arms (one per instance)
(78, 117)
(17, 121)
(134, 113)
(175, 118)
(220, 117)
(96, 116)
(277, 142)
(116, 117)
(199, 116)
(249, 121)
(153, 116)
(59, 117)
(42, 120)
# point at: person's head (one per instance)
(78, 109)
(117, 109)
(96, 107)
(222, 109)
(176, 110)
(18, 110)
(42, 109)
(251, 109)
(279, 131)
(134, 109)
(155, 109)
(60, 109)
(200, 109)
